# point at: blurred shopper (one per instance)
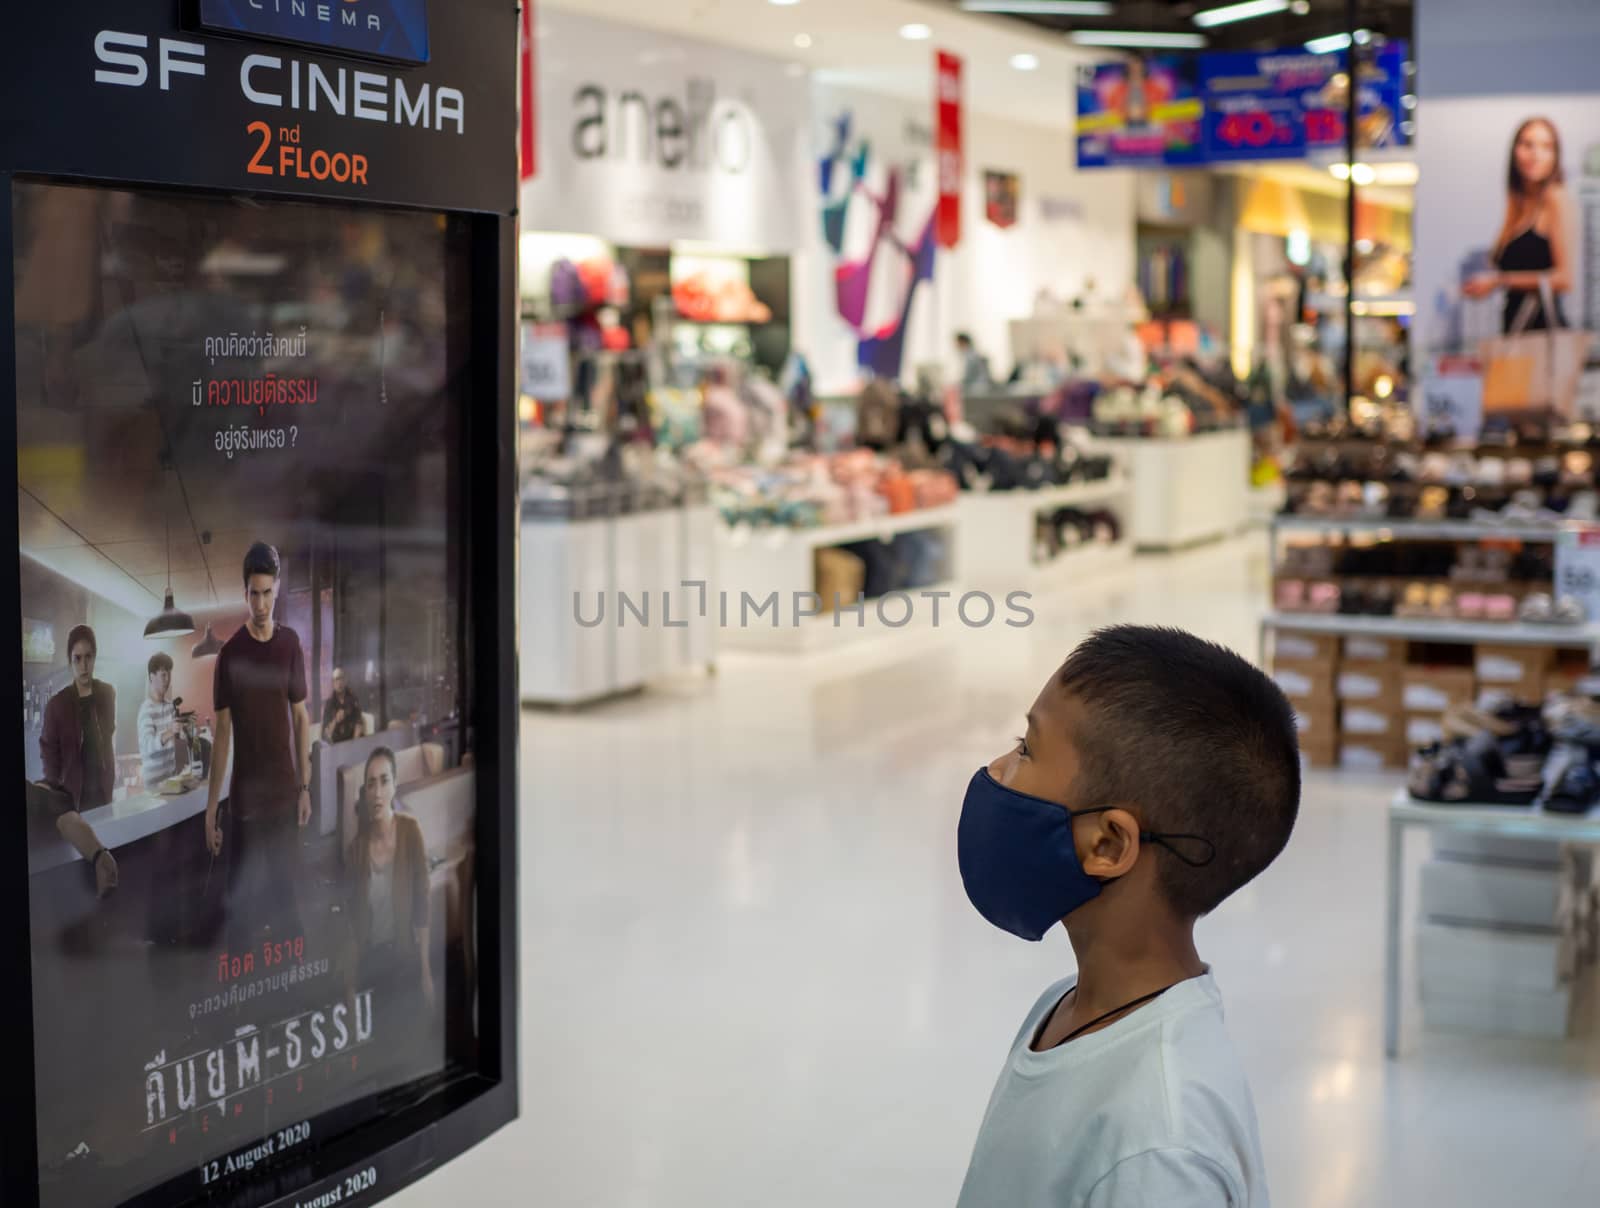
(975, 375)
(1158, 774)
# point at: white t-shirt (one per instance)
(1151, 1110)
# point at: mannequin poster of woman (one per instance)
(1533, 253)
(1508, 208)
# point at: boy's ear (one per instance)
(1110, 847)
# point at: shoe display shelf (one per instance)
(1420, 530)
(998, 544)
(1488, 931)
(1187, 490)
(1429, 629)
(604, 606)
(757, 562)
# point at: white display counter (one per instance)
(755, 563)
(605, 609)
(998, 529)
(1186, 491)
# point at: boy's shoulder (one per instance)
(1165, 1076)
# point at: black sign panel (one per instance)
(381, 29)
(123, 91)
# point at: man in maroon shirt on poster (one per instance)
(260, 698)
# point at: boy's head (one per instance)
(158, 671)
(1168, 736)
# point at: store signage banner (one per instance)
(1141, 113)
(947, 133)
(1228, 106)
(383, 29)
(1508, 278)
(262, 119)
(647, 139)
(1002, 192)
(527, 104)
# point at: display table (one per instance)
(1496, 821)
(1187, 491)
(605, 609)
(760, 562)
(998, 528)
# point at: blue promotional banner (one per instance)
(1141, 113)
(1257, 104)
(396, 30)
(1235, 105)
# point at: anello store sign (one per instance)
(645, 139)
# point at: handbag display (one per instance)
(1534, 370)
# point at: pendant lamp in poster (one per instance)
(947, 135)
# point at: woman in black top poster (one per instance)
(1535, 238)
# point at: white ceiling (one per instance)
(857, 42)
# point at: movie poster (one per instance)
(250, 799)
(1508, 263)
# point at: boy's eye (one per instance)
(1022, 747)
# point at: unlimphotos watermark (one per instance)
(741, 610)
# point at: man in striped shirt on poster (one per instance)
(158, 723)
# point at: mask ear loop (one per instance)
(1162, 840)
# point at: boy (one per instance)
(1159, 773)
(158, 723)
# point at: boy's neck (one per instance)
(1117, 964)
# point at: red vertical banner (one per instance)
(947, 142)
(529, 143)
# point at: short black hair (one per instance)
(82, 633)
(260, 559)
(1194, 740)
(963, 338)
(159, 661)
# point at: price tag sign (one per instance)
(1451, 398)
(1578, 568)
(546, 362)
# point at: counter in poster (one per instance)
(135, 817)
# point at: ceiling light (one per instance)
(1363, 174)
(1025, 62)
(783, 3)
(1333, 42)
(1300, 7)
(1041, 8)
(1340, 171)
(916, 32)
(803, 41)
(1138, 37)
(1230, 13)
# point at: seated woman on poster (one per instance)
(389, 910)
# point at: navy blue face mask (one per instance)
(1019, 862)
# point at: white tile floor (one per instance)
(751, 977)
